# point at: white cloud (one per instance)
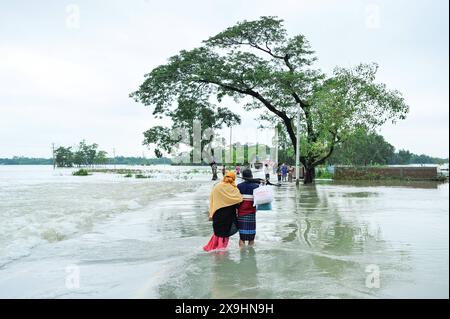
(62, 85)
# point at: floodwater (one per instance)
(106, 236)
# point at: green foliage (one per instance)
(322, 172)
(101, 158)
(20, 160)
(122, 160)
(81, 172)
(84, 155)
(403, 157)
(286, 152)
(363, 147)
(183, 118)
(64, 156)
(257, 63)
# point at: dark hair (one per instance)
(247, 173)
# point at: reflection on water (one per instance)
(231, 279)
(144, 239)
(392, 183)
(320, 242)
(360, 194)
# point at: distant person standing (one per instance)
(279, 173)
(214, 171)
(267, 172)
(284, 171)
(238, 170)
(291, 174)
(224, 170)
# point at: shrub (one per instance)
(81, 172)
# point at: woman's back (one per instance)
(246, 189)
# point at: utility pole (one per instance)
(276, 145)
(53, 155)
(231, 145)
(114, 157)
(297, 153)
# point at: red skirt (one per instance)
(216, 243)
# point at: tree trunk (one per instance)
(310, 175)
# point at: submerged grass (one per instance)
(122, 171)
(81, 172)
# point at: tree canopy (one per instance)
(183, 117)
(84, 155)
(363, 148)
(258, 64)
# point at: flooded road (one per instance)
(328, 240)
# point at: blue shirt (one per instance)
(246, 188)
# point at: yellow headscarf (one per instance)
(224, 194)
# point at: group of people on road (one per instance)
(285, 173)
(224, 170)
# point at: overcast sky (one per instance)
(67, 67)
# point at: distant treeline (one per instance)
(365, 148)
(89, 155)
(362, 148)
(16, 160)
(119, 160)
(401, 157)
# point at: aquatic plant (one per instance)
(322, 172)
(81, 172)
(141, 176)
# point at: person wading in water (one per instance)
(214, 171)
(267, 172)
(223, 203)
(246, 211)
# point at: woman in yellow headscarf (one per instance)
(223, 202)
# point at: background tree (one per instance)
(79, 157)
(90, 153)
(363, 147)
(101, 158)
(64, 157)
(183, 117)
(257, 60)
(86, 155)
(286, 151)
(402, 157)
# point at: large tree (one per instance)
(183, 117)
(64, 156)
(258, 61)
